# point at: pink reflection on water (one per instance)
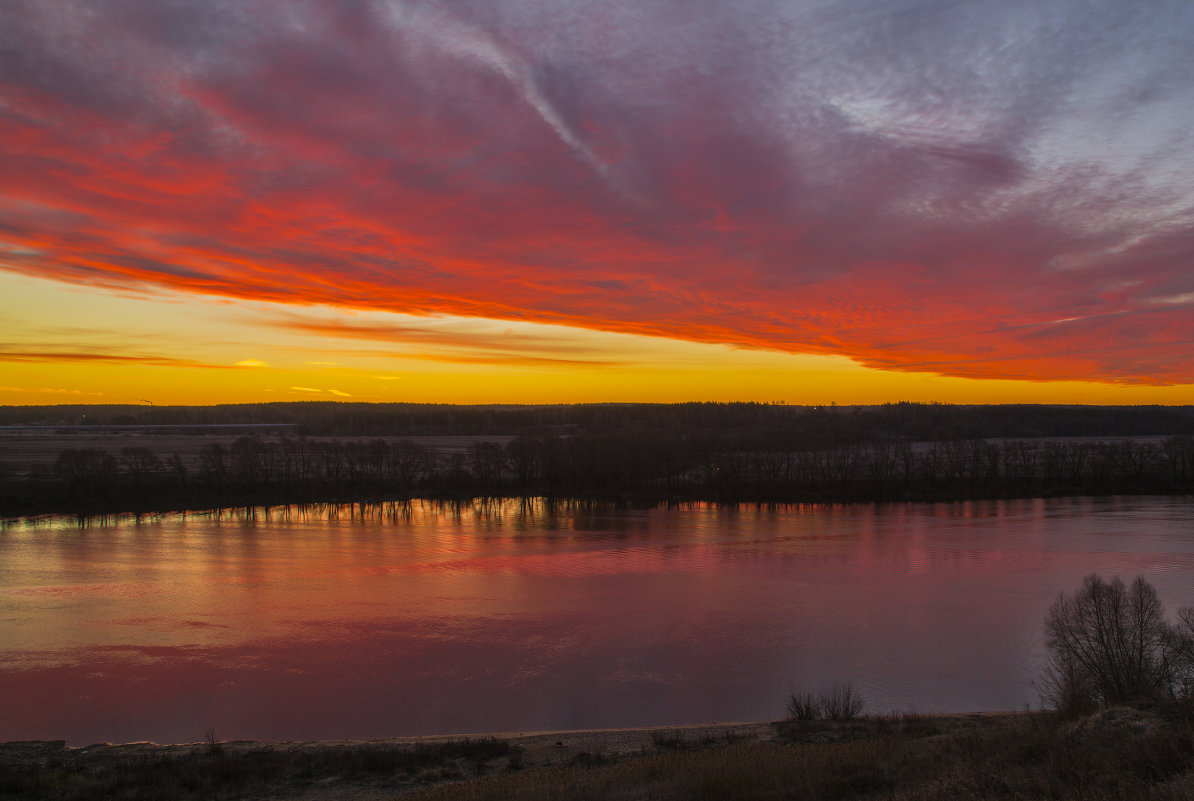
(423, 618)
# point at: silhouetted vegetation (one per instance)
(51, 771)
(788, 426)
(1110, 644)
(803, 705)
(949, 758)
(1116, 753)
(839, 702)
(648, 452)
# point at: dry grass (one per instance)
(1115, 754)
(216, 770)
(896, 757)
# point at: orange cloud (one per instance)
(54, 356)
(452, 344)
(459, 162)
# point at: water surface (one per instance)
(351, 622)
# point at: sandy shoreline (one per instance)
(620, 739)
(550, 746)
(447, 765)
(609, 741)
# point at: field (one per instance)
(34, 450)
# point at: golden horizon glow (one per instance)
(170, 349)
(558, 202)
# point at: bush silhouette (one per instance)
(1110, 644)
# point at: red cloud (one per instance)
(466, 165)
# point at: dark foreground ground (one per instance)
(1116, 754)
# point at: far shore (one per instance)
(111, 460)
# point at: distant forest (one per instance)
(732, 452)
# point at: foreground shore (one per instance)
(1117, 753)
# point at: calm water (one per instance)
(400, 620)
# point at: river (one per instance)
(423, 618)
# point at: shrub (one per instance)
(839, 702)
(803, 705)
(842, 702)
(214, 746)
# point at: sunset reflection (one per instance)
(419, 617)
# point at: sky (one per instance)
(530, 201)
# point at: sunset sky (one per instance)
(514, 201)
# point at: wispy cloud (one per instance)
(456, 341)
(50, 391)
(102, 356)
(915, 185)
(507, 359)
(313, 391)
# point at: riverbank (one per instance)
(113, 469)
(1115, 753)
(18, 509)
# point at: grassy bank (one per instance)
(214, 770)
(1117, 753)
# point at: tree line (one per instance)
(640, 463)
(793, 427)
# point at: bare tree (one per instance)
(1108, 644)
(1180, 654)
(487, 460)
(139, 464)
(89, 472)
